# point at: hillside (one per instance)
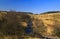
(14, 25)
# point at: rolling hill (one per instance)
(14, 25)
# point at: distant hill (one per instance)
(16, 12)
(51, 12)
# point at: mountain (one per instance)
(13, 24)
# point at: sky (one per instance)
(34, 6)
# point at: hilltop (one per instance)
(15, 23)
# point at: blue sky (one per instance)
(35, 6)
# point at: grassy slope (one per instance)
(51, 21)
(12, 24)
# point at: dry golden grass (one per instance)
(42, 23)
